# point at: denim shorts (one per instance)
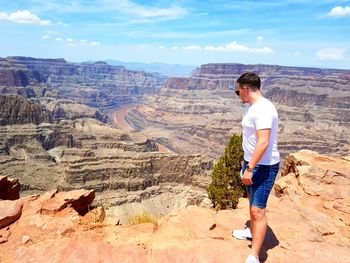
(263, 179)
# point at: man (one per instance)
(261, 158)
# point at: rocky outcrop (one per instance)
(17, 110)
(121, 167)
(315, 175)
(79, 200)
(14, 74)
(10, 211)
(319, 220)
(199, 113)
(137, 171)
(97, 84)
(9, 188)
(64, 109)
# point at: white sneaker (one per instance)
(252, 259)
(242, 234)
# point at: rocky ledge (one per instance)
(308, 215)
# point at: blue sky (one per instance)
(291, 32)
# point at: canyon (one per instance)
(309, 206)
(130, 134)
(199, 113)
(97, 85)
(140, 142)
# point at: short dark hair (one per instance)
(251, 79)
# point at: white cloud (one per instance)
(192, 47)
(230, 47)
(172, 12)
(339, 11)
(61, 23)
(72, 42)
(259, 39)
(95, 43)
(330, 54)
(141, 13)
(24, 17)
(188, 35)
(235, 47)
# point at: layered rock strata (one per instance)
(97, 85)
(198, 114)
(16, 109)
(83, 152)
(311, 208)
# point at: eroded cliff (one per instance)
(97, 84)
(197, 114)
(311, 206)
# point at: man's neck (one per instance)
(255, 96)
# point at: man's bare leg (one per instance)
(258, 226)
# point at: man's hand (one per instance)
(247, 177)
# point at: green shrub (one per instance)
(226, 186)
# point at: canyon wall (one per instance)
(198, 114)
(97, 85)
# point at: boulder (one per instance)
(9, 188)
(10, 211)
(79, 200)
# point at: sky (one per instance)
(194, 32)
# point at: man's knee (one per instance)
(257, 213)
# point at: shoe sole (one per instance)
(242, 238)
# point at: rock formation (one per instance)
(190, 115)
(309, 221)
(69, 154)
(9, 188)
(17, 110)
(52, 138)
(197, 114)
(97, 85)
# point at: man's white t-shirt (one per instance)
(260, 115)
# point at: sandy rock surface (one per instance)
(306, 224)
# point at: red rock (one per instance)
(9, 188)
(66, 231)
(3, 240)
(78, 199)
(77, 251)
(10, 211)
(202, 251)
(302, 228)
(26, 240)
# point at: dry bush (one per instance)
(145, 217)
